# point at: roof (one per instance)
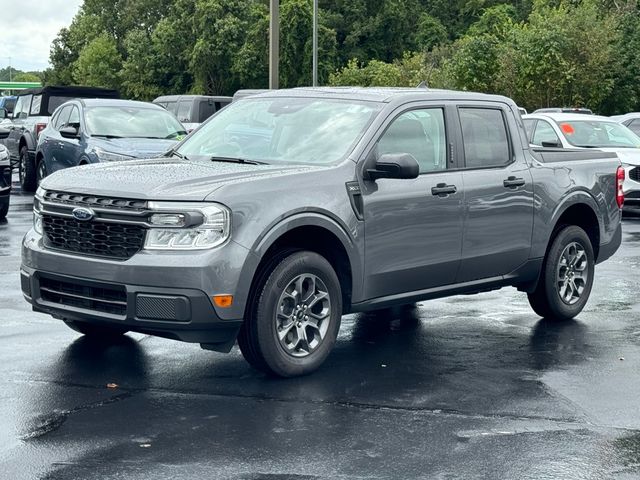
(626, 116)
(72, 91)
(380, 94)
(568, 117)
(114, 102)
(191, 97)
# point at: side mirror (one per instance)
(394, 165)
(69, 132)
(555, 144)
(4, 133)
(3, 113)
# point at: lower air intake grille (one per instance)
(108, 299)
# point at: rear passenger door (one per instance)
(498, 190)
(413, 227)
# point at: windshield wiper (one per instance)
(237, 160)
(106, 135)
(175, 153)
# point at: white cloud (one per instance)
(33, 25)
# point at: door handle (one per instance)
(513, 182)
(442, 189)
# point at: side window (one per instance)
(529, 125)
(184, 108)
(545, 133)
(62, 117)
(74, 118)
(22, 107)
(172, 107)
(420, 133)
(484, 137)
(35, 105)
(634, 126)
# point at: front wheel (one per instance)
(294, 325)
(567, 276)
(27, 171)
(41, 171)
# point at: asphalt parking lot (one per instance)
(465, 387)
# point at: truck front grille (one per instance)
(113, 240)
(110, 299)
(93, 201)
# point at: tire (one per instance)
(563, 289)
(27, 170)
(94, 330)
(299, 340)
(4, 207)
(41, 171)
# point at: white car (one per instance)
(570, 130)
(630, 120)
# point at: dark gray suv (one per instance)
(288, 209)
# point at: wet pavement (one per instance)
(465, 387)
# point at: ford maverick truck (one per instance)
(289, 209)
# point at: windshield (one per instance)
(132, 122)
(598, 134)
(283, 130)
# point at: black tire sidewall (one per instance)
(28, 175)
(277, 360)
(557, 307)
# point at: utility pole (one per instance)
(274, 44)
(315, 43)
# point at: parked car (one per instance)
(5, 177)
(192, 110)
(565, 130)
(87, 131)
(584, 111)
(31, 115)
(360, 199)
(629, 120)
(7, 103)
(249, 92)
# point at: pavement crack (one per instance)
(45, 424)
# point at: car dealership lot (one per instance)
(464, 387)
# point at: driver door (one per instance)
(413, 228)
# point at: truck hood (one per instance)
(134, 147)
(161, 179)
(629, 156)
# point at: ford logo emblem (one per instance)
(83, 214)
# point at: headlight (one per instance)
(213, 226)
(105, 156)
(37, 208)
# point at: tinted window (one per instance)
(207, 108)
(420, 133)
(74, 118)
(484, 137)
(62, 117)
(634, 126)
(545, 133)
(35, 105)
(55, 102)
(183, 111)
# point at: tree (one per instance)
(99, 63)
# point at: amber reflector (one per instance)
(223, 301)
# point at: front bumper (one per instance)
(164, 294)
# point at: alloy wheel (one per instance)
(572, 273)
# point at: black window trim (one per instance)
(462, 154)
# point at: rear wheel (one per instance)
(294, 324)
(27, 171)
(567, 276)
(94, 330)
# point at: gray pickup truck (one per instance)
(288, 209)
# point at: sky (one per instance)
(32, 27)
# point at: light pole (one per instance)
(274, 44)
(315, 43)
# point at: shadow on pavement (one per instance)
(558, 343)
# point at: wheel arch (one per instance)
(314, 232)
(580, 210)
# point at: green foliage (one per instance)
(99, 63)
(540, 52)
